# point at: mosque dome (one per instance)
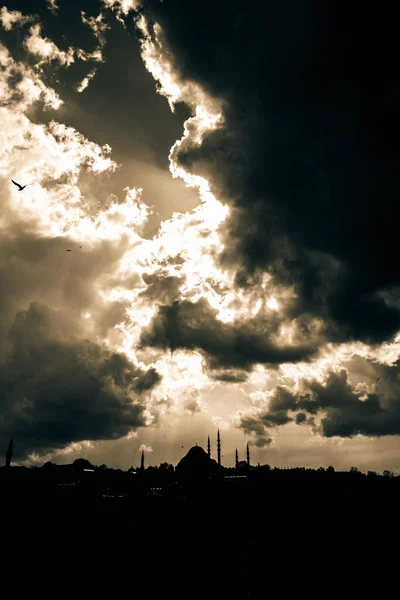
(196, 464)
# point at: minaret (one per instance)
(248, 455)
(208, 447)
(219, 448)
(142, 462)
(236, 459)
(9, 453)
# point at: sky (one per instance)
(225, 176)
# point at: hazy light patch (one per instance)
(121, 219)
(290, 332)
(140, 315)
(272, 304)
(145, 448)
(260, 377)
(183, 384)
(221, 424)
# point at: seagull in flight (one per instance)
(20, 187)
(68, 250)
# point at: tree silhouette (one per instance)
(387, 473)
(354, 470)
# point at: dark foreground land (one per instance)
(229, 538)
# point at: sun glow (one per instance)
(272, 304)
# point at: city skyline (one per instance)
(199, 232)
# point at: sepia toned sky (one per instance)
(225, 176)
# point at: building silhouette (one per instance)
(142, 461)
(219, 448)
(209, 447)
(236, 459)
(248, 455)
(9, 453)
(197, 465)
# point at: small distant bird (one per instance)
(20, 187)
(378, 379)
(80, 246)
(68, 250)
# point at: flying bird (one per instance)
(20, 187)
(68, 250)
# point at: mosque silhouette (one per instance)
(198, 464)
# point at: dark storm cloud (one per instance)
(347, 415)
(308, 156)
(194, 326)
(35, 268)
(57, 388)
(345, 410)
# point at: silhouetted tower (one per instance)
(236, 459)
(9, 453)
(142, 462)
(219, 448)
(248, 455)
(208, 447)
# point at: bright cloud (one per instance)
(47, 50)
(10, 18)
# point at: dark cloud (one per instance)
(254, 427)
(160, 288)
(347, 414)
(301, 418)
(308, 155)
(229, 375)
(38, 268)
(57, 388)
(280, 403)
(194, 326)
(192, 402)
(345, 410)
